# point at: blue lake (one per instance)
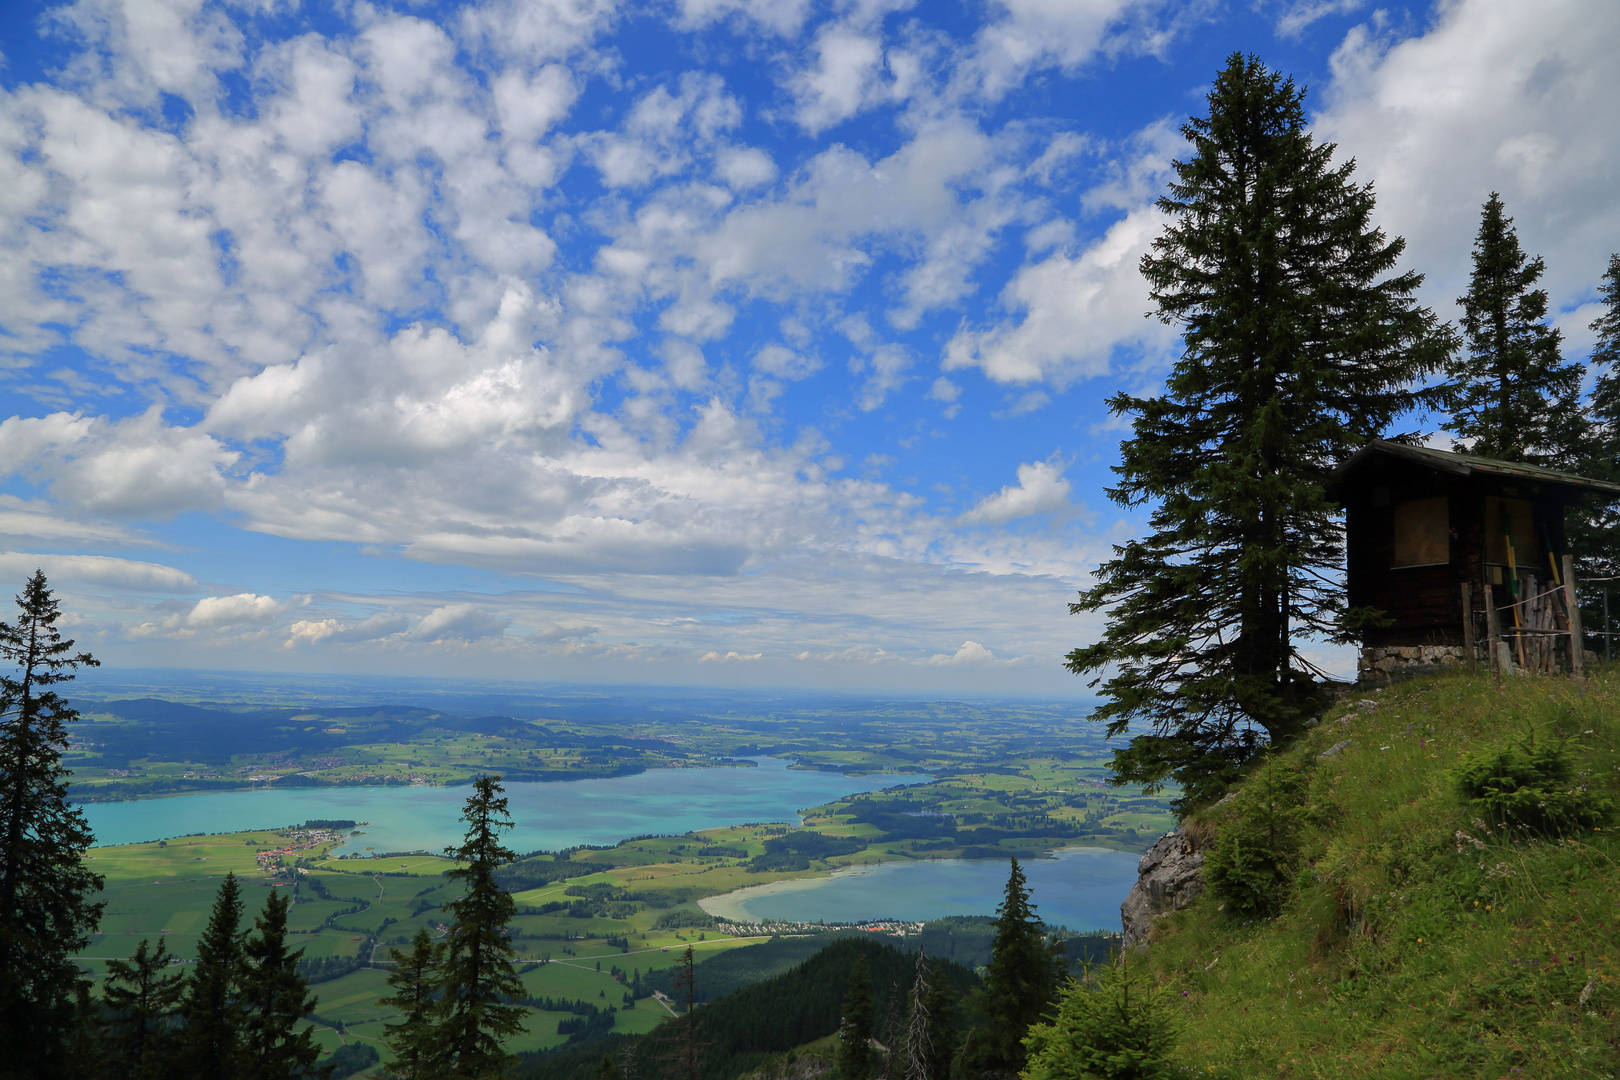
(1081, 888)
(551, 815)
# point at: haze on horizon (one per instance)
(734, 342)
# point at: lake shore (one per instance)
(730, 906)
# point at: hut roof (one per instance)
(1450, 461)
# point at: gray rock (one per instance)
(1333, 750)
(1169, 877)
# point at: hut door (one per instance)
(1510, 522)
(1422, 532)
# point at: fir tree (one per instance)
(477, 977)
(1296, 350)
(141, 998)
(855, 1032)
(418, 1051)
(1510, 392)
(211, 1019)
(276, 1043)
(1019, 984)
(46, 910)
(1110, 1027)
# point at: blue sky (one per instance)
(749, 342)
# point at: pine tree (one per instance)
(211, 1018)
(1020, 982)
(46, 910)
(1113, 1026)
(276, 1044)
(141, 998)
(855, 1032)
(477, 976)
(1511, 394)
(418, 1049)
(1296, 350)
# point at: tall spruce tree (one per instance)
(855, 1055)
(418, 1048)
(141, 998)
(1297, 348)
(211, 1014)
(46, 908)
(1510, 391)
(1594, 531)
(276, 1043)
(477, 978)
(1019, 984)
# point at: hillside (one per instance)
(1407, 937)
(747, 1029)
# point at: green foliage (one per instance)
(799, 848)
(1414, 941)
(1531, 787)
(1594, 530)
(747, 1029)
(351, 1058)
(46, 910)
(855, 1056)
(1113, 1025)
(418, 1054)
(211, 1022)
(1511, 393)
(1020, 983)
(276, 1043)
(1297, 349)
(477, 979)
(141, 996)
(1252, 864)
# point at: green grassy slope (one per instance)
(1415, 941)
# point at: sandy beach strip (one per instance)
(733, 905)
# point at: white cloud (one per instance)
(1075, 312)
(140, 467)
(971, 654)
(221, 612)
(1496, 95)
(1033, 34)
(97, 570)
(1041, 489)
(1303, 13)
(458, 622)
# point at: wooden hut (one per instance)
(1466, 555)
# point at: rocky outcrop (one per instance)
(1168, 878)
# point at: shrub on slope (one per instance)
(1377, 916)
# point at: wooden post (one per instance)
(1577, 659)
(1468, 621)
(1490, 626)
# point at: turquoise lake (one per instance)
(1080, 888)
(548, 816)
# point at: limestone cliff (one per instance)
(1168, 879)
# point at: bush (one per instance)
(1113, 1026)
(682, 918)
(1531, 787)
(350, 1058)
(1255, 856)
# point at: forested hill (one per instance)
(748, 1028)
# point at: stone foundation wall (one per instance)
(1386, 663)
